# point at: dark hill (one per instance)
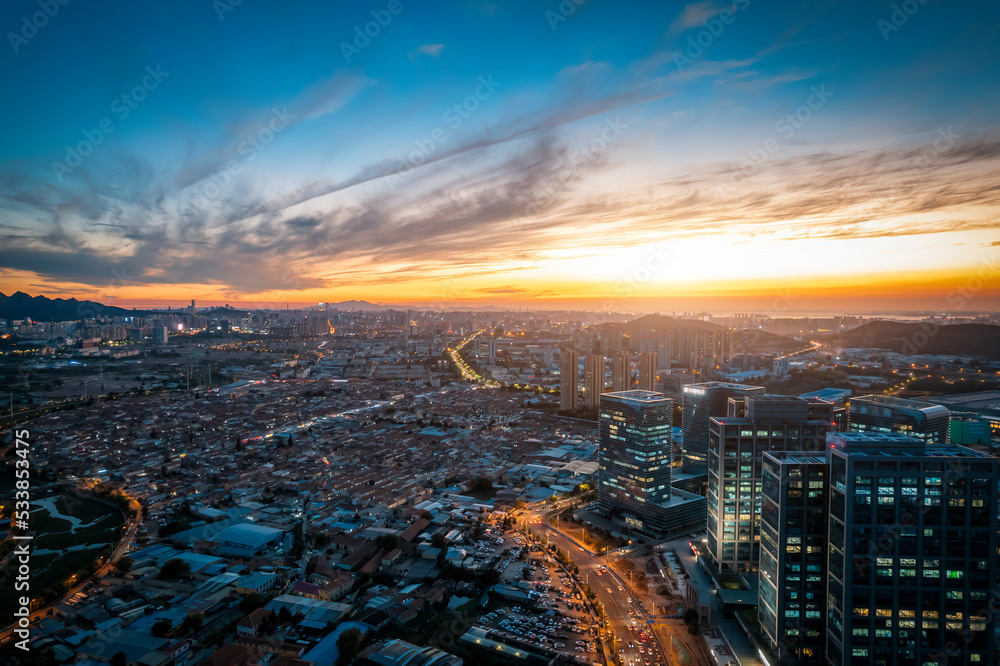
(954, 340)
(663, 321)
(41, 308)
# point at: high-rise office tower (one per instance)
(888, 414)
(621, 371)
(735, 457)
(913, 552)
(700, 403)
(647, 371)
(791, 604)
(593, 380)
(492, 350)
(569, 370)
(634, 472)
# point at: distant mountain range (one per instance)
(952, 340)
(20, 305)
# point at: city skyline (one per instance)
(711, 156)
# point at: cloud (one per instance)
(496, 201)
(469, 219)
(329, 96)
(432, 50)
(696, 14)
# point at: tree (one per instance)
(386, 541)
(192, 622)
(691, 620)
(174, 568)
(251, 602)
(481, 483)
(119, 659)
(161, 628)
(125, 564)
(348, 644)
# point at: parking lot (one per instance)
(558, 622)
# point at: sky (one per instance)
(627, 156)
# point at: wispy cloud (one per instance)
(430, 49)
(695, 14)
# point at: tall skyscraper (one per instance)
(612, 338)
(695, 344)
(913, 552)
(621, 371)
(700, 403)
(569, 364)
(791, 604)
(593, 380)
(647, 371)
(888, 414)
(634, 473)
(735, 458)
(664, 351)
(492, 350)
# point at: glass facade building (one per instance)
(735, 457)
(634, 474)
(913, 552)
(791, 605)
(888, 414)
(700, 403)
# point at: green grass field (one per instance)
(69, 551)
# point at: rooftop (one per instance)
(636, 396)
(902, 403)
(796, 457)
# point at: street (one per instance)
(624, 615)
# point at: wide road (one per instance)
(620, 608)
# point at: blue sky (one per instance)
(596, 135)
